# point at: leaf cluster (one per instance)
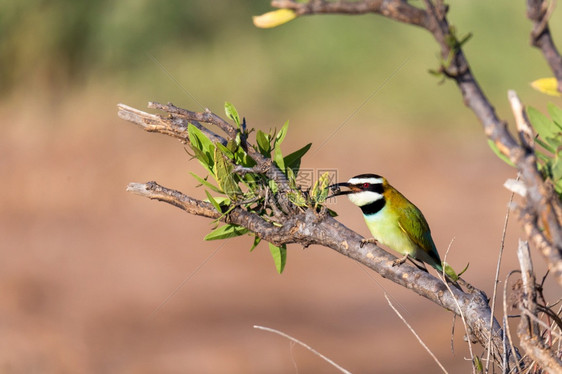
(240, 182)
(454, 44)
(548, 148)
(549, 138)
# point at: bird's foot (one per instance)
(365, 241)
(400, 261)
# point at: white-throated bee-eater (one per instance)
(393, 220)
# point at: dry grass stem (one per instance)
(497, 276)
(415, 334)
(303, 345)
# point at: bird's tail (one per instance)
(450, 274)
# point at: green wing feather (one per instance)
(413, 223)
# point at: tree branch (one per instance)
(538, 11)
(394, 9)
(307, 226)
(541, 202)
(529, 331)
(175, 125)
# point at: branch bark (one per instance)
(397, 10)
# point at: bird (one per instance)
(392, 219)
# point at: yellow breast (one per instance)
(385, 229)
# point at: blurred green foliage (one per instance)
(330, 64)
(549, 137)
(69, 39)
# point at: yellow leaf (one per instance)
(274, 18)
(547, 86)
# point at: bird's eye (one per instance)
(366, 185)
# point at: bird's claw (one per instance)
(365, 241)
(399, 261)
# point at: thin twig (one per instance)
(416, 335)
(529, 299)
(529, 332)
(507, 330)
(303, 345)
(467, 331)
(551, 328)
(496, 278)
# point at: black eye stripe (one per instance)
(378, 188)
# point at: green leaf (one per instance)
(542, 157)
(201, 141)
(227, 152)
(542, 124)
(277, 154)
(226, 231)
(556, 114)
(477, 364)
(278, 158)
(257, 241)
(291, 179)
(273, 186)
(545, 145)
(213, 201)
(293, 160)
(232, 113)
(464, 270)
(279, 255)
(224, 174)
(332, 213)
(243, 159)
(205, 183)
(201, 146)
(465, 39)
(435, 73)
(558, 187)
(557, 169)
(264, 145)
(232, 145)
(320, 190)
(296, 198)
(496, 150)
(281, 134)
(204, 159)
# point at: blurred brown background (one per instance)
(96, 280)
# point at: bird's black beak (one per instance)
(336, 189)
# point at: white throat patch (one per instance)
(364, 197)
